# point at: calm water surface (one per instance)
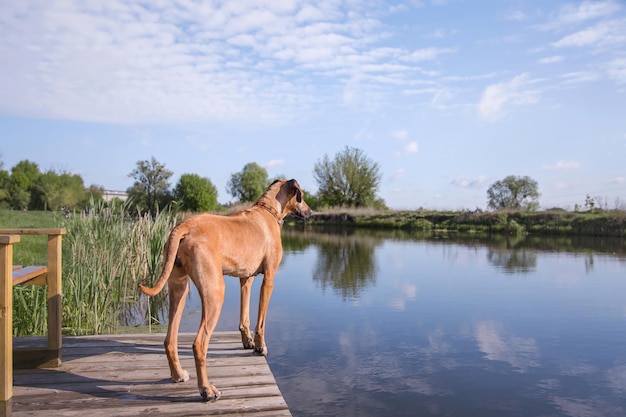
(391, 324)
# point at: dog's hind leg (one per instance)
(178, 286)
(211, 292)
(244, 313)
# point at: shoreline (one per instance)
(610, 223)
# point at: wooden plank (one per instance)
(155, 405)
(265, 384)
(157, 360)
(128, 375)
(6, 318)
(28, 273)
(125, 375)
(8, 239)
(33, 231)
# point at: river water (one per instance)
(401, 324)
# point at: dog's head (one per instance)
(294, 203)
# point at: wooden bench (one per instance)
(11, 275)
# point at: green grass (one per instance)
(31, 250)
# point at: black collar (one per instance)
(271, 210)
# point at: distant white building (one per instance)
(111, 194)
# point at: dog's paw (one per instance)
(259, 345)
(210, 393)
(261, 350)
(247, 342)
(183, 377)
(246, 339)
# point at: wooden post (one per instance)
(55, 287)
(50, 357)
(6, 322)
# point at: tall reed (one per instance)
(107, 253)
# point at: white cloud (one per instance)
(466, 182)
(420, 91)
(585, 11)
(443, 98)
(515, 92)
(428, 54)
(580, 77)
(497, 345)
(409, 148)
(560, 165)
(260, 61)
(551, 59)
(602, 34)
(619, 180)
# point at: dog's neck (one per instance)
(272, 210)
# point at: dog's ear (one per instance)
(293, 183)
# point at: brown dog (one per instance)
(205, 247)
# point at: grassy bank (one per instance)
(596, 223)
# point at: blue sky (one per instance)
(447, 96)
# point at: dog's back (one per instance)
(239, 244)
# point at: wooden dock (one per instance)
(128, 375)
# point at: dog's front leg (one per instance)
(264, 300)
(244, 312)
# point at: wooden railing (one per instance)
(11, 275)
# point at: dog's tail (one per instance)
(171, 249)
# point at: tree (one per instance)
(5, 181)
(151, 184)
(196, 193)
(54, 190)
(351, 179)
(24, 175)
(514, 193)
(590, 203)
(27, 187)
(248, 184)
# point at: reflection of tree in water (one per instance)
(513, 259)
(589, 261)
(346, 263)
(340, 248)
